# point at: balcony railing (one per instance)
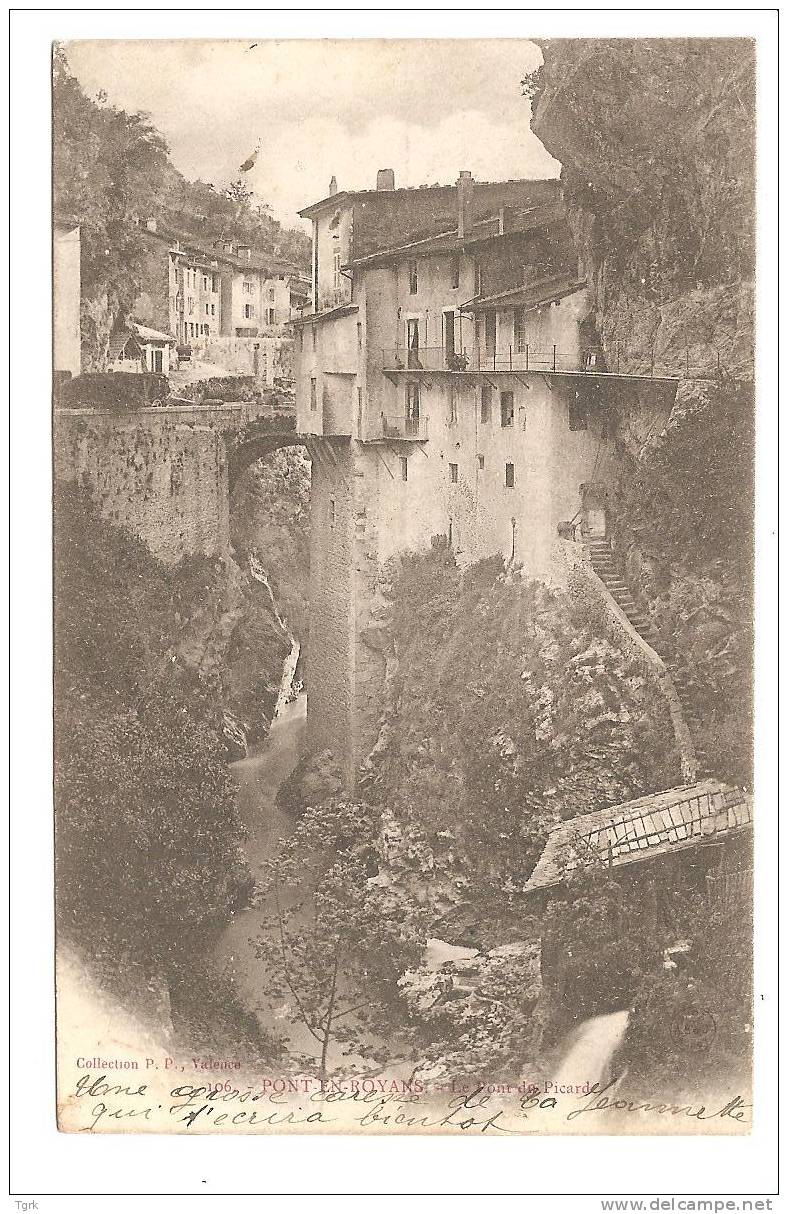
(697, 361)
(439, 358)
(388, 428)
(424, 358)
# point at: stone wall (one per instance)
(159, 473)
(575, 572)
(330, 649)
(265, 356)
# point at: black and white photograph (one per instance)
(403, 448)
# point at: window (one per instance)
(206, 310)
(403, 467)
(313, 394)
(207, 330)
(453, 473)
(248, 311)
(413, 400)
(480, 461)
(521, 418)
(510, 476)
(490, 333)
(246, 287)
(213, 309)
(486, 404)
(413, 277)
(507, 408)
(360, 410)
(519, 330)
(337, 271)
(449, 347)
(271, 294)
(332, 510)
(205, 282)
(358, 334)
(578, 413)
(191, 307)
(455, 273)
(270, 316)
(452, 406)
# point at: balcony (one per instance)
(388, 428)
(425, 358)
(700, 361)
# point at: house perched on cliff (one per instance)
(451, 341)
(452, 371)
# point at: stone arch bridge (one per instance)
(167, 473)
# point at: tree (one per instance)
(335, 943)
(110, 168)
(512, 706)
(148, 834)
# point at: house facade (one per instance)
(199, 291)
(459, 359)
(66, 294)
(452, 384)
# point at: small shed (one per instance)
(135, 347)
(659, 824)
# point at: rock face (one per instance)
(656, 142)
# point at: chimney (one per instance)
(506, 217)
(464, 203)
(385, 179)
(332, 187)
(151, 224)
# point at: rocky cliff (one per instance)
(656, 140)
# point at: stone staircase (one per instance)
(604, 564)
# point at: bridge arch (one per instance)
(258, 439)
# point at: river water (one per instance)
(589, 1049)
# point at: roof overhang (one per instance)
(332, 314)
(526, 296)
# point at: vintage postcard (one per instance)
(403, 515)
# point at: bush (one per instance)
(147, 832)
(510, 707)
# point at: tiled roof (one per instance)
(516, 222)
(637, 830)
(117, 343)
(529, 295)
(146, 334)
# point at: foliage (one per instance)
(604, 949)
(270, 516)
(477, 1017)
(335, 942)
(111, 166)
(695, 1021)
(148, 838)
(511, 707)
(683, 516)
